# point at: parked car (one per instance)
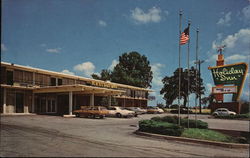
(92, 112)
(137, 110)
(116, 111)
(223, 112)
(182, 111)
(154, 110)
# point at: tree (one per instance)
(208, 100)
(133, 69)
(170, 88)
(105, 75)
(160, 105)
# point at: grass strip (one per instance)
(206, 134)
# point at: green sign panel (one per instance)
(230, 74)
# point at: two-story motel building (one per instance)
(31, 90)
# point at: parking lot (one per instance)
(42, 135)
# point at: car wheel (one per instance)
(215, 115)
(118, 115)
(101, 116)
(77, 115)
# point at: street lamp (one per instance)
(199, 62)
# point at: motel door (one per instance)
(19, 102)
(51, 105)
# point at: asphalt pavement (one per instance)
(55, 136)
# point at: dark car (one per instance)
(182, 111)
(92, 112)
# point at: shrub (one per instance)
(158, 127)
(245, 107)
(170, 119)
(184, 122)
(193, 123)
(157, 118)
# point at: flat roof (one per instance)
(48, 72)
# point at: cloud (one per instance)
(114, 63)
(236, 57)
(238, 42)
(246, 13)
(102, 23)
(157, 76)
(68, 72)
(141, 17)
(212, 58)
(209, 87)
(225, 20)
(87, 68)
(237, 46)
(3, 47)
(53, 50)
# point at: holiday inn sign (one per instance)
(232, 74)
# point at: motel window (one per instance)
(80, 82)
(9, 77)
(71, 81)
(18, 76)
(132, 94)
(52, 81)
(42, 80)
(128, 91)
(3, 75)
(59, 81)
(27, 77)
(67, 81)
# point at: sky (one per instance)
(82, 37)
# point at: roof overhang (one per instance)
(16, 87)
(83, 89)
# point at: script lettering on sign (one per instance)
(233, 74)
(227, 74)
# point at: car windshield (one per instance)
(111, 108)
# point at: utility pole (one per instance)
(199, 63)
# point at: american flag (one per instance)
(184, 36)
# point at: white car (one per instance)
(223, 112)
(154, 110)
(120, 112)
(137, 110)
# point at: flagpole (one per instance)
(188, 71)
(196, 75)
(179, 120)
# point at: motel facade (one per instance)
(31, 90)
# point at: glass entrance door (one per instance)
(51, 105)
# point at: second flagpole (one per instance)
(179, 96)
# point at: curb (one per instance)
(183, 139)
(69, 116)
(18, 114)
